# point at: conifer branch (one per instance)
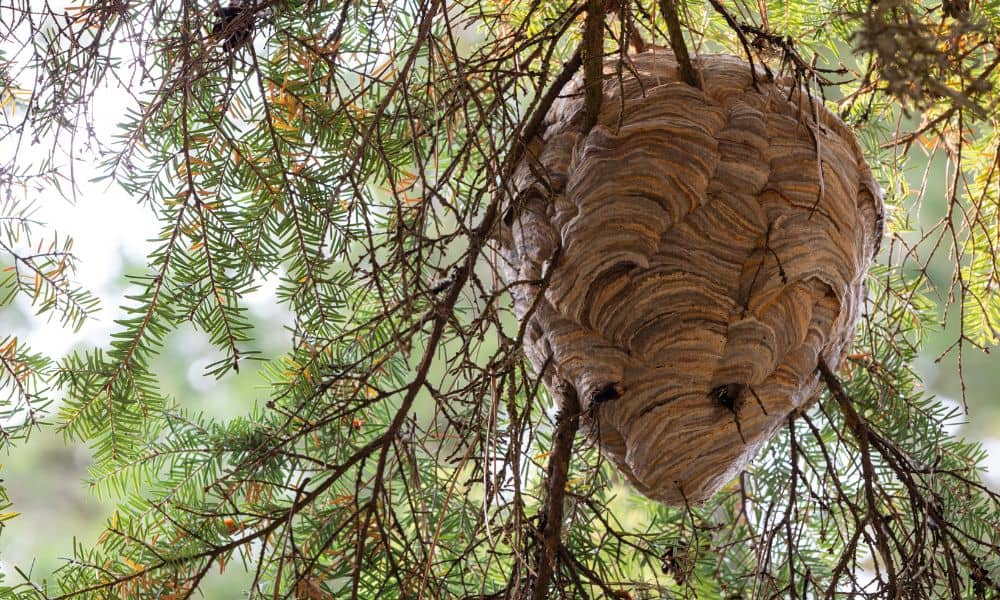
(741, 35)
(859, 429)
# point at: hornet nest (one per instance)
(696, 253)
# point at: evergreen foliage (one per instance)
(359, 151)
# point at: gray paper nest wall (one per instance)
(693, 264)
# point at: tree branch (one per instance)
(859, 429)
(550, 527)
(593, 60)
(669, 10)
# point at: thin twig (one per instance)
(736, 27)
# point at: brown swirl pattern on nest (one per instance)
(701, 263)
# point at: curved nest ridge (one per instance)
(686, 263)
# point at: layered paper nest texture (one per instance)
(686, 263)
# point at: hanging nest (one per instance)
(686, 263)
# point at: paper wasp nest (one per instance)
(696, 252)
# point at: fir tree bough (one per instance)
(403, 448)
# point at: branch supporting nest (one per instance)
(550, 526)
(669, 10)
(534, 126)
(593, 60)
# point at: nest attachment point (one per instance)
(686, 262)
